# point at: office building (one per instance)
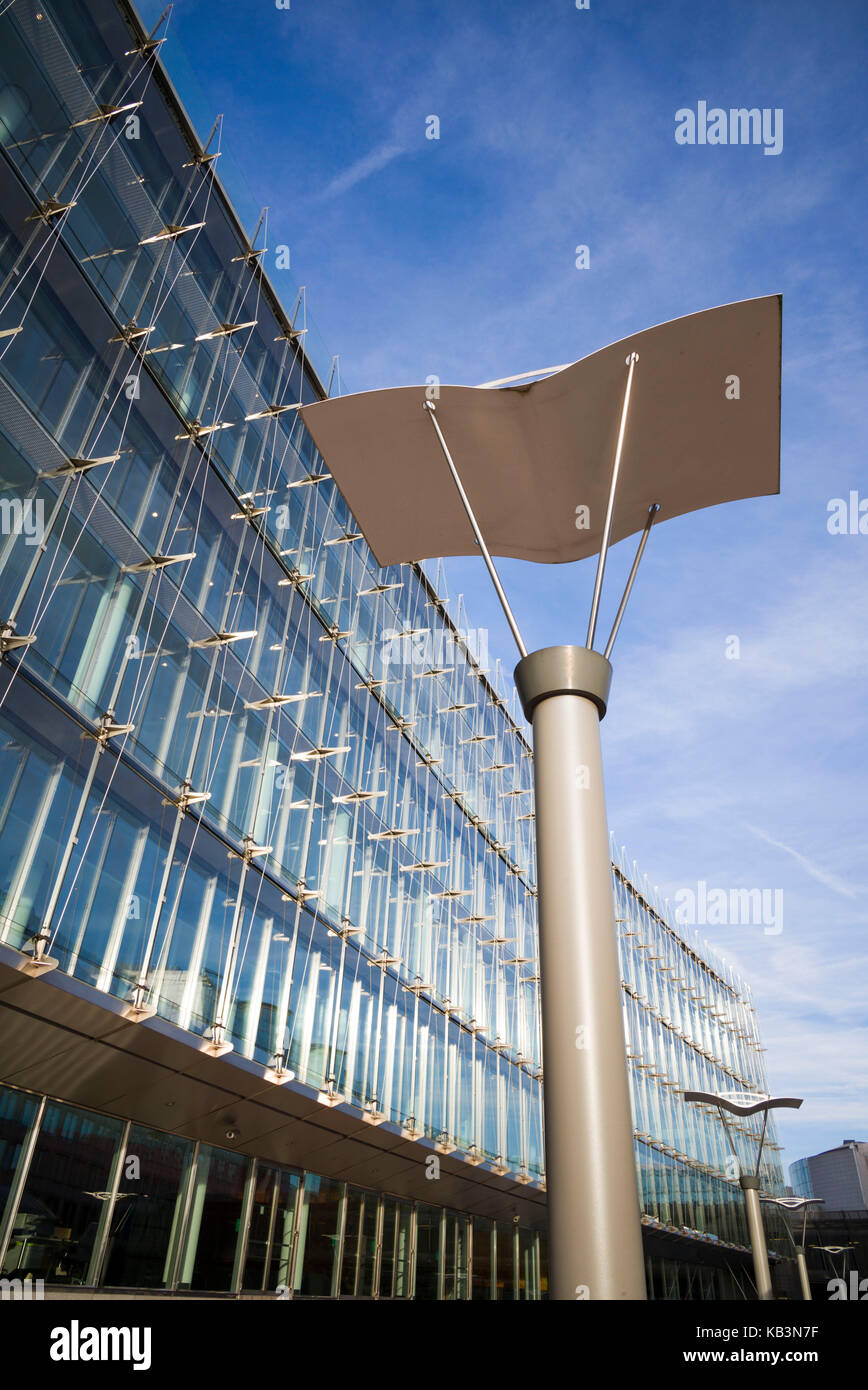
(269, 1012)
(839, 1176)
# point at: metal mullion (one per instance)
(470, 1236)
(100, 1244)
(357, 1271)
(338, 1258)
(441, 1281)
(244, 1228)
(272, 1222)
(184, 1219)
(378, 1247)
(411, 1259)
(296, 1231)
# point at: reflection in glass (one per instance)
(214, 1220)
(318, 1236)
(147, 1210)
(269, 1243)
(482, 1265)
(18, 1112)
(428, 1226)
(395, 1256)
(68, 1181)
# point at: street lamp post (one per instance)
(792, 1204)
(693, 421)
(830, 1251)
(595, 1230)
(744, 1104)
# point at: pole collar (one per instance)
(563, 671)
(749, 1182)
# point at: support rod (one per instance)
(465, 502)
(652, 512)
(610, 506)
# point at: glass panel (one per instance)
(428, 1223)
(272, 1216)
(455, 1261)
(17, 1113)
(368, 1247)
(395, 1256)
(147, 1211)
(318, 1236)
(505, 1262)
(360, 1244)
(214, 1220)
(61, 1205)
(482, 1267)
(527, 1271)
(352, 1230)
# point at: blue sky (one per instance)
(456, 257)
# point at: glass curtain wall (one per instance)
(202, 579)
(96, 1202)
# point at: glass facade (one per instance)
(251, 782)
(800, 1178)
(168, 1214)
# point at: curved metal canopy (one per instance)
(530, 456)
(752, 1107)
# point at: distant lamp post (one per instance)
(743, 1103)
(830, 1251)
(670, 420)
(793, 1204)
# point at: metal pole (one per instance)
(762, 1273)
(610, 506)
(802, 1266)
(595, 1233)
(465, 502)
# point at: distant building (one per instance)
(839, 1176)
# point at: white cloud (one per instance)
(847, 890)
(370, 163)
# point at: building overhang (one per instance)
(70, 1041)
